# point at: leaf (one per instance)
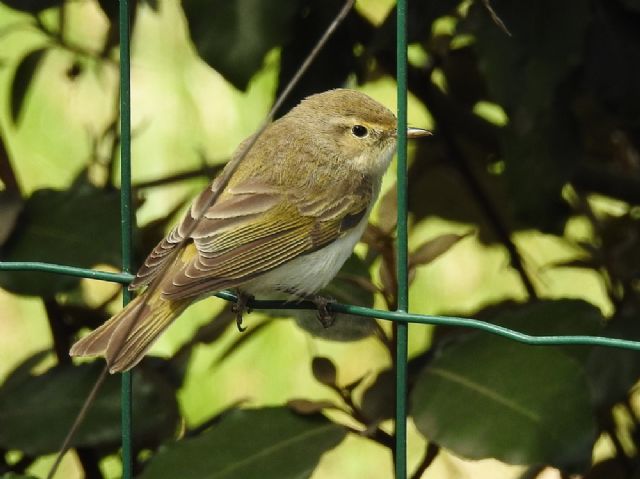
(242, 339)
(11, 205)
(489, 397)
(613, 372)
(234, 37)
(434, 248)
(22, 79)
(77, 227)
(23, 371)
(63, 389)
(324, 370)
(388, 210)
(379, 398)
(250, 443)
(32, 6)
(307, 406)
(554, 318)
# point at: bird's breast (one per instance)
(309, 273)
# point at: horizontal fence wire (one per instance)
(398, 316)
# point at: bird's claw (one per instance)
(240, 307)
(324, 315)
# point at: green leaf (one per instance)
(613, 372)
(324, 370)
(11, 205)
(233, 37)
(22, 79)
(434, 248)
(489, 397)
(250, 443)
(76, 227)
(554, 318)
(52, 401)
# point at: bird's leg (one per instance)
(325, 316)
(240, 307)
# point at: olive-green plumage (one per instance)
(285, 222)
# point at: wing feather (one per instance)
(250, 230)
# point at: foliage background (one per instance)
(536, 154)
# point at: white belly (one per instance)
(309, 273)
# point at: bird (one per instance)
(285, 222)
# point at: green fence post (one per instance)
(125, 220)
(402, 331)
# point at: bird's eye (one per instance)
(359, 131)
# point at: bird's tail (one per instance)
(125, 338)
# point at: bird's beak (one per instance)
(417, 132)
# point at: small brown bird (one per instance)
(286, 222)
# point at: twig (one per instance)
(59, 332)
(496, 19)
(78, 421)
(207, 170)
(429, 456)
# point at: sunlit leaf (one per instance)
(433, 248)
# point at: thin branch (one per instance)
(205, 171)
(59, 332)
(88, 402)
(494, 16)
(429, 456)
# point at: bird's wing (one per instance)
(251, 229)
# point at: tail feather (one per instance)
(125, 338)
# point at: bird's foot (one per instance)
(240, 307)
(325, 316)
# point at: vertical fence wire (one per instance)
(402, 329)
(126, 222)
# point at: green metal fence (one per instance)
(401, 317)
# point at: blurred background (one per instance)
(523, 212)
